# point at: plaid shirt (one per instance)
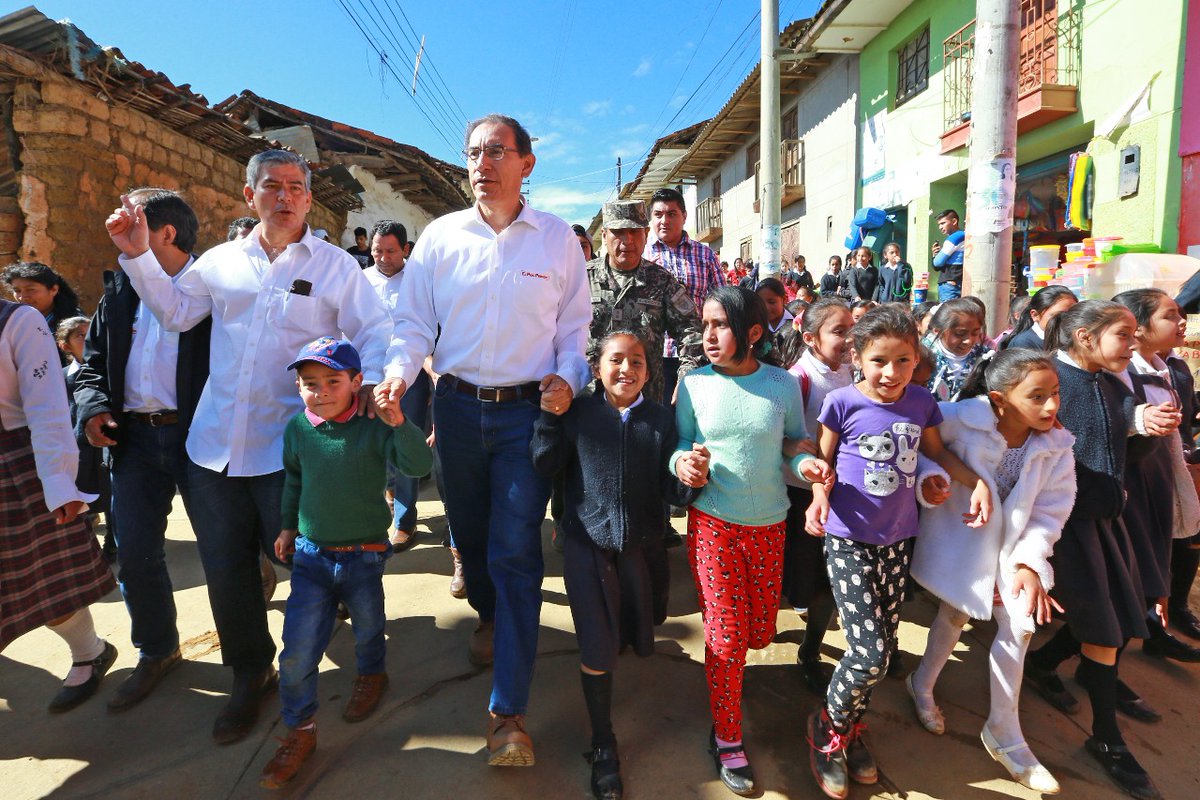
(695, 265)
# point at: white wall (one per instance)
(826, 123)
(380, 202)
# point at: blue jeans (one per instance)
(415, 405)
(949, 291)
(319, 580)
(148, 468)
(236, 520)
(495, 503)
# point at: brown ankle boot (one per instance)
(291, 755)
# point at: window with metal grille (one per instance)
(912, 72)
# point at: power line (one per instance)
(386, 64)
(688, 65)
(447, 94)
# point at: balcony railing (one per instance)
(1049, 56)
(791, 174)
(708, 219)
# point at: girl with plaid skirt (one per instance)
(51, 568)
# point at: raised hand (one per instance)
(128, 229)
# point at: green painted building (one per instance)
(1098, 76)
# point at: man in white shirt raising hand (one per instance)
(269, 294)
(508, 287)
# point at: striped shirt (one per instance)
(695, 265)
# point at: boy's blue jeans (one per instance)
(320, 579)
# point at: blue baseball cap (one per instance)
(334, 353)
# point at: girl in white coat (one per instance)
(1003, 427)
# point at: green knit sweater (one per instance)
(335, 474)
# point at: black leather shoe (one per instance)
(739, 780)
(816, 674)
(70, 696)
(141, 682)
(1123, 768)
(238, 716)
(606, 773)
(1131, 704)
(1047, 683)
(1164, 645)
(1183, 620)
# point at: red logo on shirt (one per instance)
(535, 275)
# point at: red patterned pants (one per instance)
(738, 569)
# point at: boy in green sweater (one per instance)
(335, 527)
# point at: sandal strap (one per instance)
(1012, 748)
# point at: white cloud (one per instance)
(573, 205)
(677, 101)
(628, 149)
(628, 109)
(597, 108)
(643, 68)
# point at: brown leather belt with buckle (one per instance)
(497, 394)
(155, 419)
(381, 547)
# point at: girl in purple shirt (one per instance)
(871, 433)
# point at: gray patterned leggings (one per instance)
(868, 586)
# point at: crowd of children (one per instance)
(1043, 476)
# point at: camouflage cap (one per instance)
(625, 214)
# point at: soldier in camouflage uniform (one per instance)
(631, 293)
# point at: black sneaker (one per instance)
(860, 764)
(1123, 768)
(739, 780)
(827, 756)
(1047, 683)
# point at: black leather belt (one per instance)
(497, 394)
(155, 419)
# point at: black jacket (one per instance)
(617, 474)
(100, 384)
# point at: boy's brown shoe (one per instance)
(508, 743)
(364, 697)
(291, 755)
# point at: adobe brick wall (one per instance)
(79, 154)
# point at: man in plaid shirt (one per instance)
(693, 263)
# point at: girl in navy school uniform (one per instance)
(612, 447)
(1097, 581)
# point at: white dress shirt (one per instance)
(513, 306)
(387, 287)
(259, 325)
(153, 357)
(33, 395)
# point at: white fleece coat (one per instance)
(961, 565)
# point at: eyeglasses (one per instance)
(494, 152)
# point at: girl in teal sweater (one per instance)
(731, 415)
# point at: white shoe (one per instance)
(928, 714)
(1034, 776)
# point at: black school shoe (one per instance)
(69, 697)
(739, 780)
(606, 772)
(1183, 620)
(1132, 705)
(1049, 685)
(1123, 768)
(1163, 645)
(816, 674)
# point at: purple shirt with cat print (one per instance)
(875, 498)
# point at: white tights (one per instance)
(1006, 662)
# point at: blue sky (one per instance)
(590, 80)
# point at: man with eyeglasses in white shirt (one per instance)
(508, 287)
(269, 294)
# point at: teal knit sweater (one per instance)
(742, 421)
(335, 474)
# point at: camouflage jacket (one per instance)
(653, 305)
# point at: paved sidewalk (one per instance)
(426, 740)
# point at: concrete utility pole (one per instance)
(991, 180)
(768, 139)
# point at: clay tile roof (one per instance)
(117, 80)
